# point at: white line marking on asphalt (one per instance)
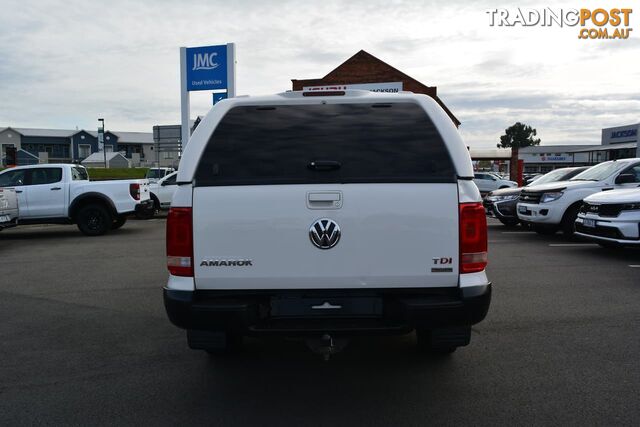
(516, 232)
(561, 245)
(634, 266)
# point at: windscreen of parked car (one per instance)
(171, 179)
(554, 176)
(155, 173)
(598, 172)
(325, 143)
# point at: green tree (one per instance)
(516, 137)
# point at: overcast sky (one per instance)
(65, 63)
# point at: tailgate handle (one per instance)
(324, 197)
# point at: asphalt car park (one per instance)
(85, 340)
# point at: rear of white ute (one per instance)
(327, 216)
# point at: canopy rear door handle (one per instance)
(324, 200)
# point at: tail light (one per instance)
(134, 190)
(180, 242)
(473, 238)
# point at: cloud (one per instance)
(65, 63)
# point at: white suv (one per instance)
(611, 218)
(323, 215)
(553, 206)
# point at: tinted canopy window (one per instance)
(345, 143)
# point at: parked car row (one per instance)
(502, 203)
(601, 203)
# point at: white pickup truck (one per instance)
(324, 215)
(8, 208)
(63, 194)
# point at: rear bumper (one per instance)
(144, 206)
(290, 312)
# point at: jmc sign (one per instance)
(205, 68)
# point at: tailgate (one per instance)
(145, 193)
(391, 236)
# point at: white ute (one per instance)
(63, 194)
(325, 215)
(554, 206)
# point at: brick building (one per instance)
(364, 70)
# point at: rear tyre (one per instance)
(568, 224)
(119, 222)
(94, 220)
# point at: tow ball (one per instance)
(327, 346)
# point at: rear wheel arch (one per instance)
(91, 198)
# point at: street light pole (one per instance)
(101, 141)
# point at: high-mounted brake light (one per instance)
(333, 90)
(325, 93)
(473, 238)
(180, 242)
(134, 190)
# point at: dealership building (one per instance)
(620, 142)
(73, 146)
(365, 71)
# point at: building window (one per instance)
(168, 155)
(81, 136)
(84, 150)
(108, 148)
